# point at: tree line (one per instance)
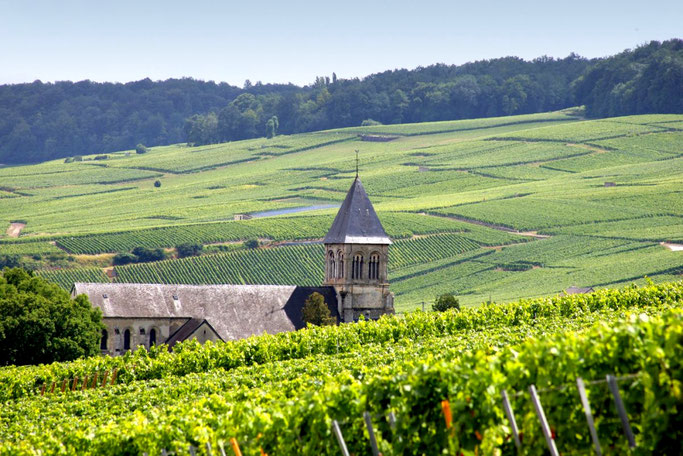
(42, 121)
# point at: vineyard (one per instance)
(280, 393)
(398, 225)
(612, 184)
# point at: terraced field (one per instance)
(594, 198)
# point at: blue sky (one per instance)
(293, 41)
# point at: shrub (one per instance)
(144, 254)
(445, 302)
(187, 250)
(101, 157)
(140, 149)
(369, 123)
(157, 184)
(124, 258)
(251, 244)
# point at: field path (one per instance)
(533, 234)
(14, 229)
(673, 247)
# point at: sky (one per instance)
(295, 41)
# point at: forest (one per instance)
(43, 121)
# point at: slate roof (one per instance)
(356, 222)
(234, 311)
(186, 330)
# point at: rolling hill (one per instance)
(488, 209)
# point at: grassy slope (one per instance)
(542, 173)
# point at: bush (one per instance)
(251, 244)
(10, 261)
(187, 250)
(445, 302)
(101, 157)
(144, 254)
(369, 123)
(157, 184)
(124, 258)
(140, 149)
(316, 312)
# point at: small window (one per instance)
(357, 267)
(340, 265)
(331, 266)
(126, 339)
(373, 269)
(103, 340)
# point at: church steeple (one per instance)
(356, 258)
(357, 222)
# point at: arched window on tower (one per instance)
(152, 337)
(357, 267)
(340, 264)
(126, 339)
(373, 270)
(103, 340)
(331, 269)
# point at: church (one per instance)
(355, 284)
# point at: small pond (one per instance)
(291, 210)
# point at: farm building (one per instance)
(355, 284)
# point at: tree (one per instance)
(124, 258)
(144, 254)
(251, 244)
(446, 302)
(316, 312)
(271, 127)
(140, 149)
(187, 250)
(40, 323)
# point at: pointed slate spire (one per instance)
(356, 222)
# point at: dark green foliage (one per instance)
(145, 254)
(9, 261)
(155, 113)
(316, 312)
(369, 123)
(124, 258)
(40, 323)
(101, 157)
(446, 302)
(157, 183)
(251, 244)
(140, 149)
(186, 250)
(648, 79)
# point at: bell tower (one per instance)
(356, 258)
